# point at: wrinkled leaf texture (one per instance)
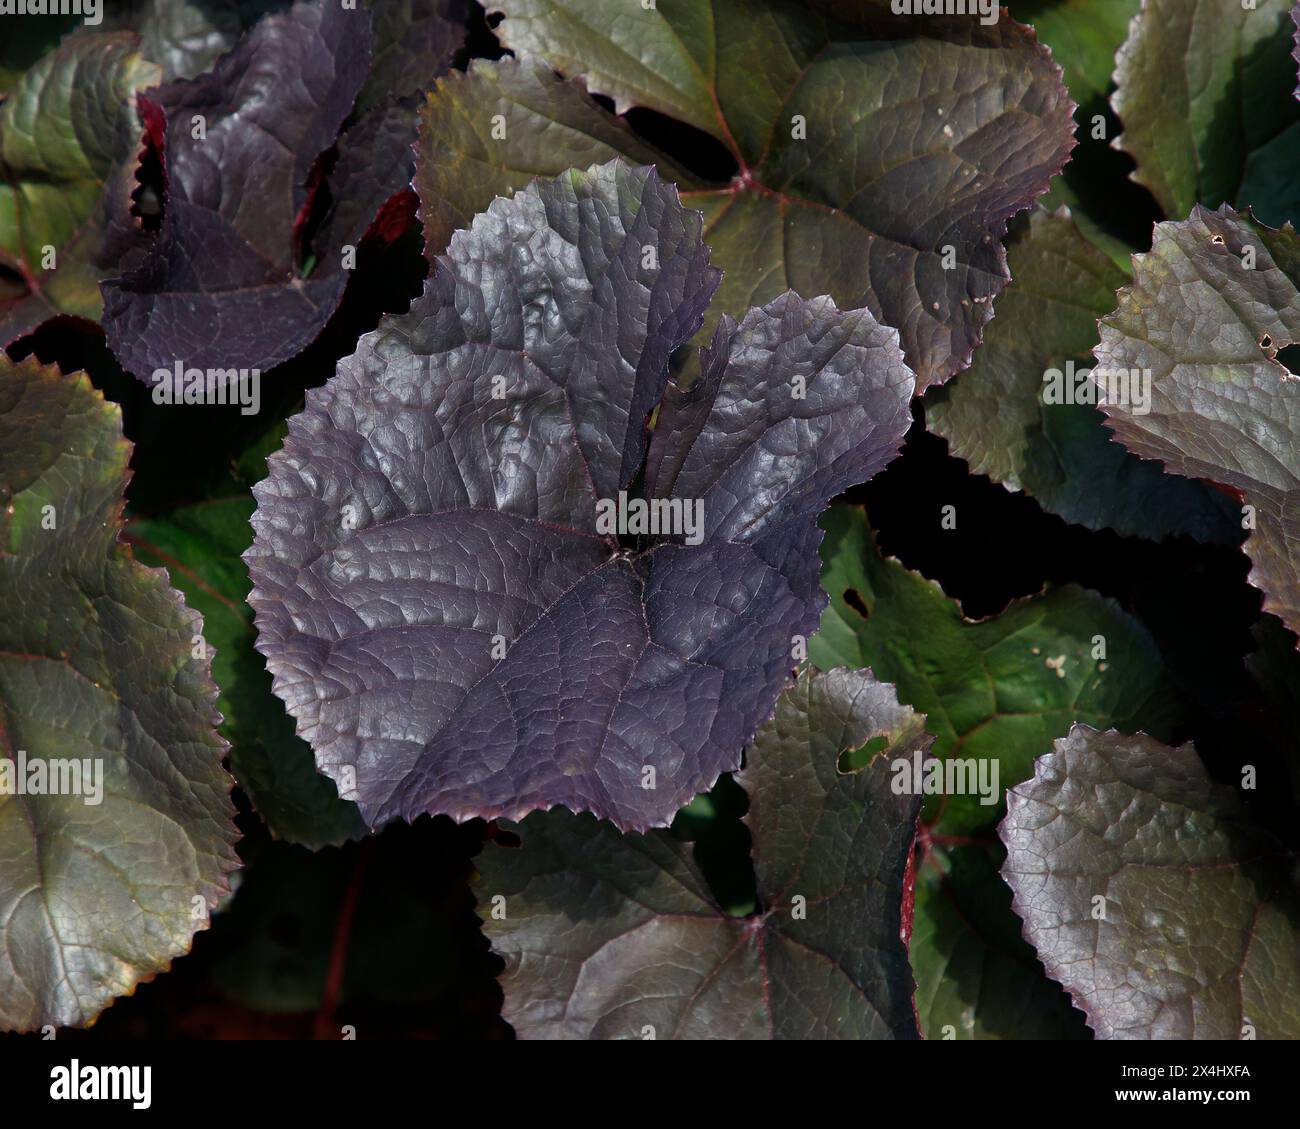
(69, 133)
(994, 416)
(414, 523)
(228, 282)
(1223, 407)
(1198, 938)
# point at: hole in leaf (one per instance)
(855, 601)
(855, 760)
(1289, 358)
(1266, 342)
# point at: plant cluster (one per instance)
(409, 410)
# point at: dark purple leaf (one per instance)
(240, 274)
(438, 606)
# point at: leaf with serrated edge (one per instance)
(69, 133)
(97, 660)
(609, 936)
(994, 417)
(994, 689)
(200, 545)
(1198, 938)
(416, 525)
(415, 41)
(1207, 330)
(976, 977)
(866, 143)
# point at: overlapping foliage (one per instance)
(724, 253)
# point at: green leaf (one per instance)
(865, 144)
(1209, 308)
(1084, 36)
(613, 936)
(202, 545)
(994, 415)
(550, 124)
(69, 135)
(1150, 895)
(1204, 90)
(976, 977)
(97, 666)
(995, 690)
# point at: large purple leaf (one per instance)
(438, 606)
(609, 936)
(1150, 895)
(1210, 307)
(229, 282)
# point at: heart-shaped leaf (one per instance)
(441, 592)
(1200, 329)
(69, 135)
(1015, 416)
(878, 157)
(609, 936)
(1150, 895)
(1203, 88)
(115, 815)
